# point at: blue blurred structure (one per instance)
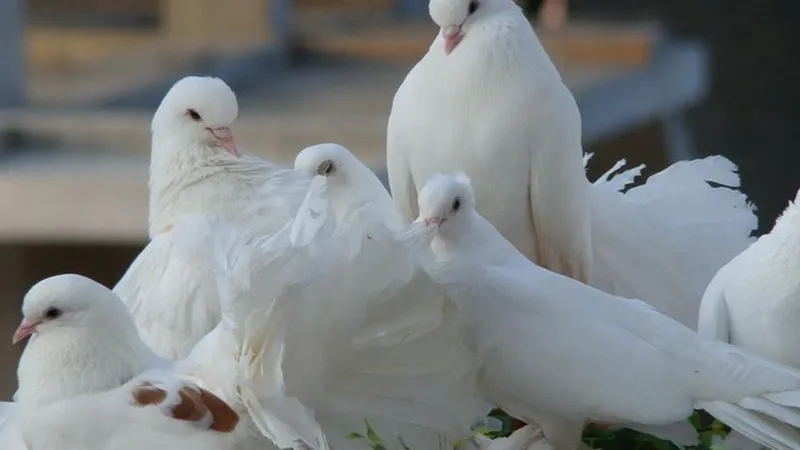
(413, 9)
(340, 90)
(12, 53)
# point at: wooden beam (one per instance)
(214, 26)
(184, 24)
(240, 24)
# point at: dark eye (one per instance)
(456, 204)
(52, 313)
(193, 114)
(473, 6)
(326, 168)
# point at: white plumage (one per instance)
(196, 168)
(337, 345)
(663, 240)
(251, 272)
(10, 434)
(365, 335)
(554, 345)
(87, 381)
(496, 108)
(753, 301)
(334, 343)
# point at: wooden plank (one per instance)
(574, 43)
(212, 26)
(51, 10)
(184, 23)
(239, 24)
(342, 6)
(107, 205)
(590, 44)
(50, 48)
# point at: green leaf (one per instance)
(353, 436)
(372, 437)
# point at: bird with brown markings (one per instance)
(86, 380)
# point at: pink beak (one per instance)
(25, 329)
(225, 137)
(452, 36)
(432, 221)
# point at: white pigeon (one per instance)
(351, 182)
(753, 300)
(487, 100)
(196, 168)
(87, 381)
(366, 227)
(360, 206)
(556, 346)
(321, 357)
(385, 330)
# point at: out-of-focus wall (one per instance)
(70, 10)
(751, 114)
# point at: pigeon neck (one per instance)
(480, 239)
(68, 362)
(178, 171)
(502, 46)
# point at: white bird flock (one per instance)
(309, 308)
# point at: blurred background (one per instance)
(656, 80)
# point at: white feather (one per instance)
(752, 300)
(664, 240)
(10, 435)
(403, 366)
(190, 174)
(79, 377)
(622, 362)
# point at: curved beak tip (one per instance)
(24, 330)
(224, 136)
(452, 37)
(432, 222)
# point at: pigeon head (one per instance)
(198, 112)
(446, 200)
(331, 161)
(457, 17)
(84, 341)
(70, 301)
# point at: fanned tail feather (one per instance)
(663, 241)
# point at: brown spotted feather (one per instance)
(195, 405)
